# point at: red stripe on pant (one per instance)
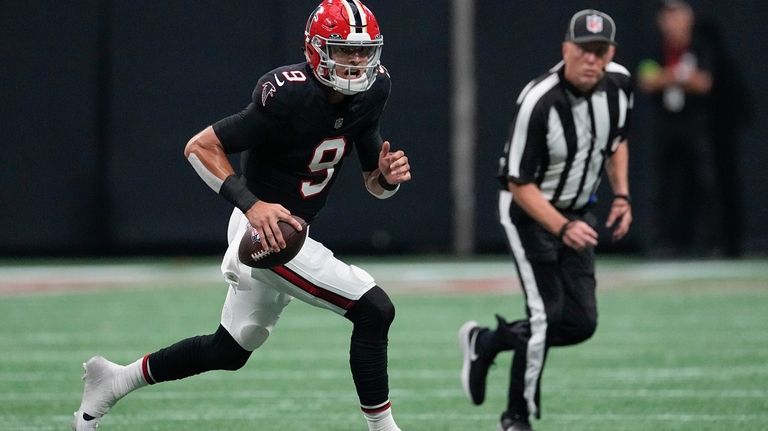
(312, 289)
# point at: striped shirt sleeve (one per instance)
(626, 97)
(527, 143)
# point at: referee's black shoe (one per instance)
(508, 423)
(475, 367)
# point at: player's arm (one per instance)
(383, 170)
(208, 156)
(392, 171)
(617, 170)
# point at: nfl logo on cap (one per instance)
(591, 25)
(595, 23)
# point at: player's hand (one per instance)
(579, 235)
(394, 166)
(619, 218)
(263, 217)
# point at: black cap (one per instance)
(591, 25)
(673, 4)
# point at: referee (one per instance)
(570, 123)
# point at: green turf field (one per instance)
(678, 347)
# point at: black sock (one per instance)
(506, 336)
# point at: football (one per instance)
(252, 253)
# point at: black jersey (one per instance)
(294, 141)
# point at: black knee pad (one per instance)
(224, 352)
(373, 313)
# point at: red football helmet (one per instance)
(342, 43)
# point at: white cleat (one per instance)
(80, 424)
(98, 394)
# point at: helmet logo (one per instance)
(314, 17)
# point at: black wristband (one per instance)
(563, 229)
(624, 198)
(384, 184)
(235, 190)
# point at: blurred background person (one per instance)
(695, 200)
(733, 111)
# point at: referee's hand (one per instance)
(619, 218)
(579, 235)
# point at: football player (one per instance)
(302, 122)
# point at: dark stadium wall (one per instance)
(176, 69)
(99, 99)
(49, 185)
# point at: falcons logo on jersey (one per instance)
(267, 90)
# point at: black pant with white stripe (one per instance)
(559, 287)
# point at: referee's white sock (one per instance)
(380, 418)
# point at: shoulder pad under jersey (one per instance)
(280, 89)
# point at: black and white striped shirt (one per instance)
(560, 138)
